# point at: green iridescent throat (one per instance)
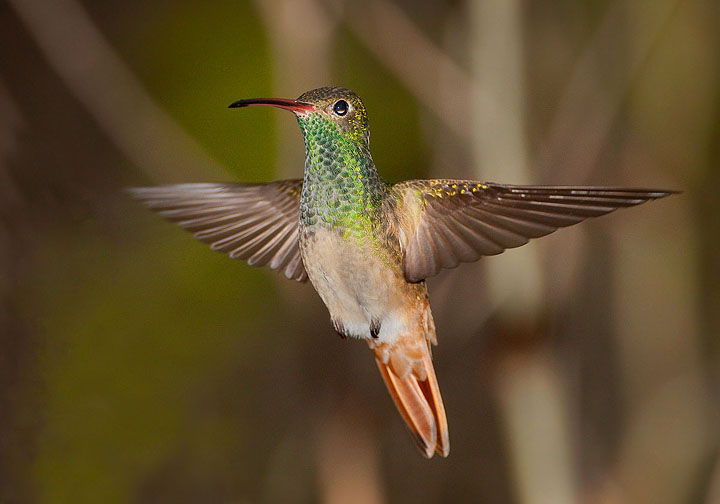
(341, 188)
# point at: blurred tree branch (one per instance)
(93, 71)
(593, 96)
(401, 46)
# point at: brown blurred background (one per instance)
(138, 366)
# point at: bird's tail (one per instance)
(407, 369)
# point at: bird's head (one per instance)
(323, 112)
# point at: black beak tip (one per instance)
(237, 104)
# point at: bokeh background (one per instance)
(138, 366)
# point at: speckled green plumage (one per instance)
(342, 190)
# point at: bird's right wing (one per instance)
(256, 222)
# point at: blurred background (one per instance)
(138, 366)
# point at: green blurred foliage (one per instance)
(123, 360)
(196, 58)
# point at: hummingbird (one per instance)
(367, 245)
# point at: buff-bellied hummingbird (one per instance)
(367, 245)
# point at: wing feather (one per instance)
(454, 221)
(256, 222)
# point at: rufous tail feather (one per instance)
(410, 378)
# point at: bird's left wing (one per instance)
(256, 222)
(442, 223)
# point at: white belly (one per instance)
(357, 286)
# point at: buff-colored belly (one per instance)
(358, 286)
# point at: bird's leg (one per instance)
(339, 328)
(375, 328)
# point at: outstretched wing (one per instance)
(445, 222)
(256, 222)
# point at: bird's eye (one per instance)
(340, 107)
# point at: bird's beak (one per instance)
(295, 106)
